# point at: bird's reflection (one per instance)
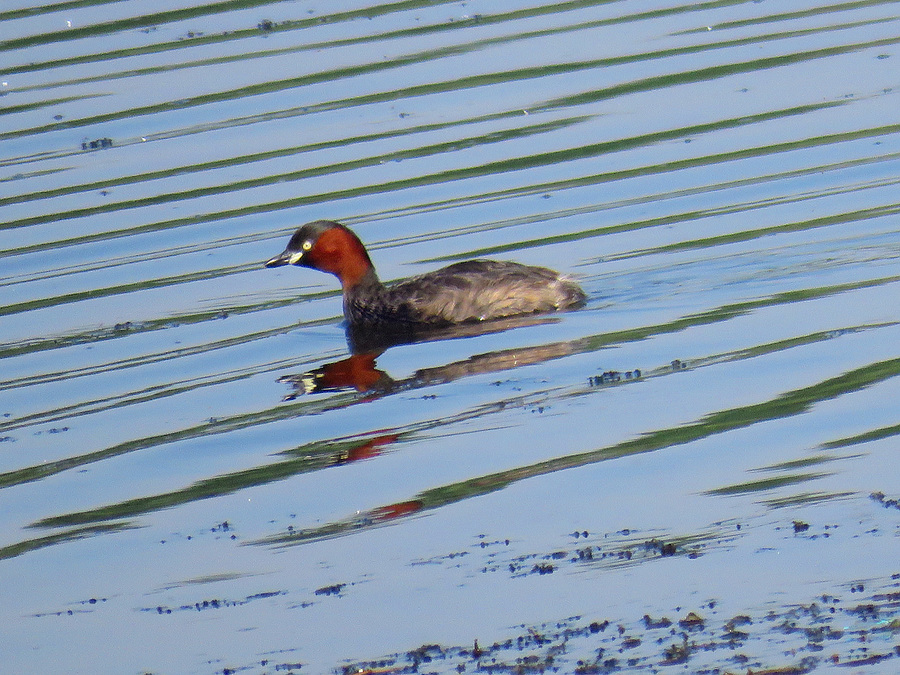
(359, 370)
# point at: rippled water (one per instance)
(714, 433)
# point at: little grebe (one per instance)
(475, 290)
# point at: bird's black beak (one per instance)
(283, 258)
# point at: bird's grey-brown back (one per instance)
(474, 290)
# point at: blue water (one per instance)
(721, 179)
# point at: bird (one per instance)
(464, 292)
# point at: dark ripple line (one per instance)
(130, 23)
(708, 242)
(519, 163)
(154, 392)
(25, 12)
(493, 136)
(790, 16)
(469, 82)
(94, 293)
(468, 47)
(481, 20)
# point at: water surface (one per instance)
(697, 470)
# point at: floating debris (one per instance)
(99, 144)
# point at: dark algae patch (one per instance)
(213, 603)
(829, 630)
(885, 501)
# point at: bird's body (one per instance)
(474, 290)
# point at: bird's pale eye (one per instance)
(307, 245)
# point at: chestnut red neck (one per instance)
(340, 252)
